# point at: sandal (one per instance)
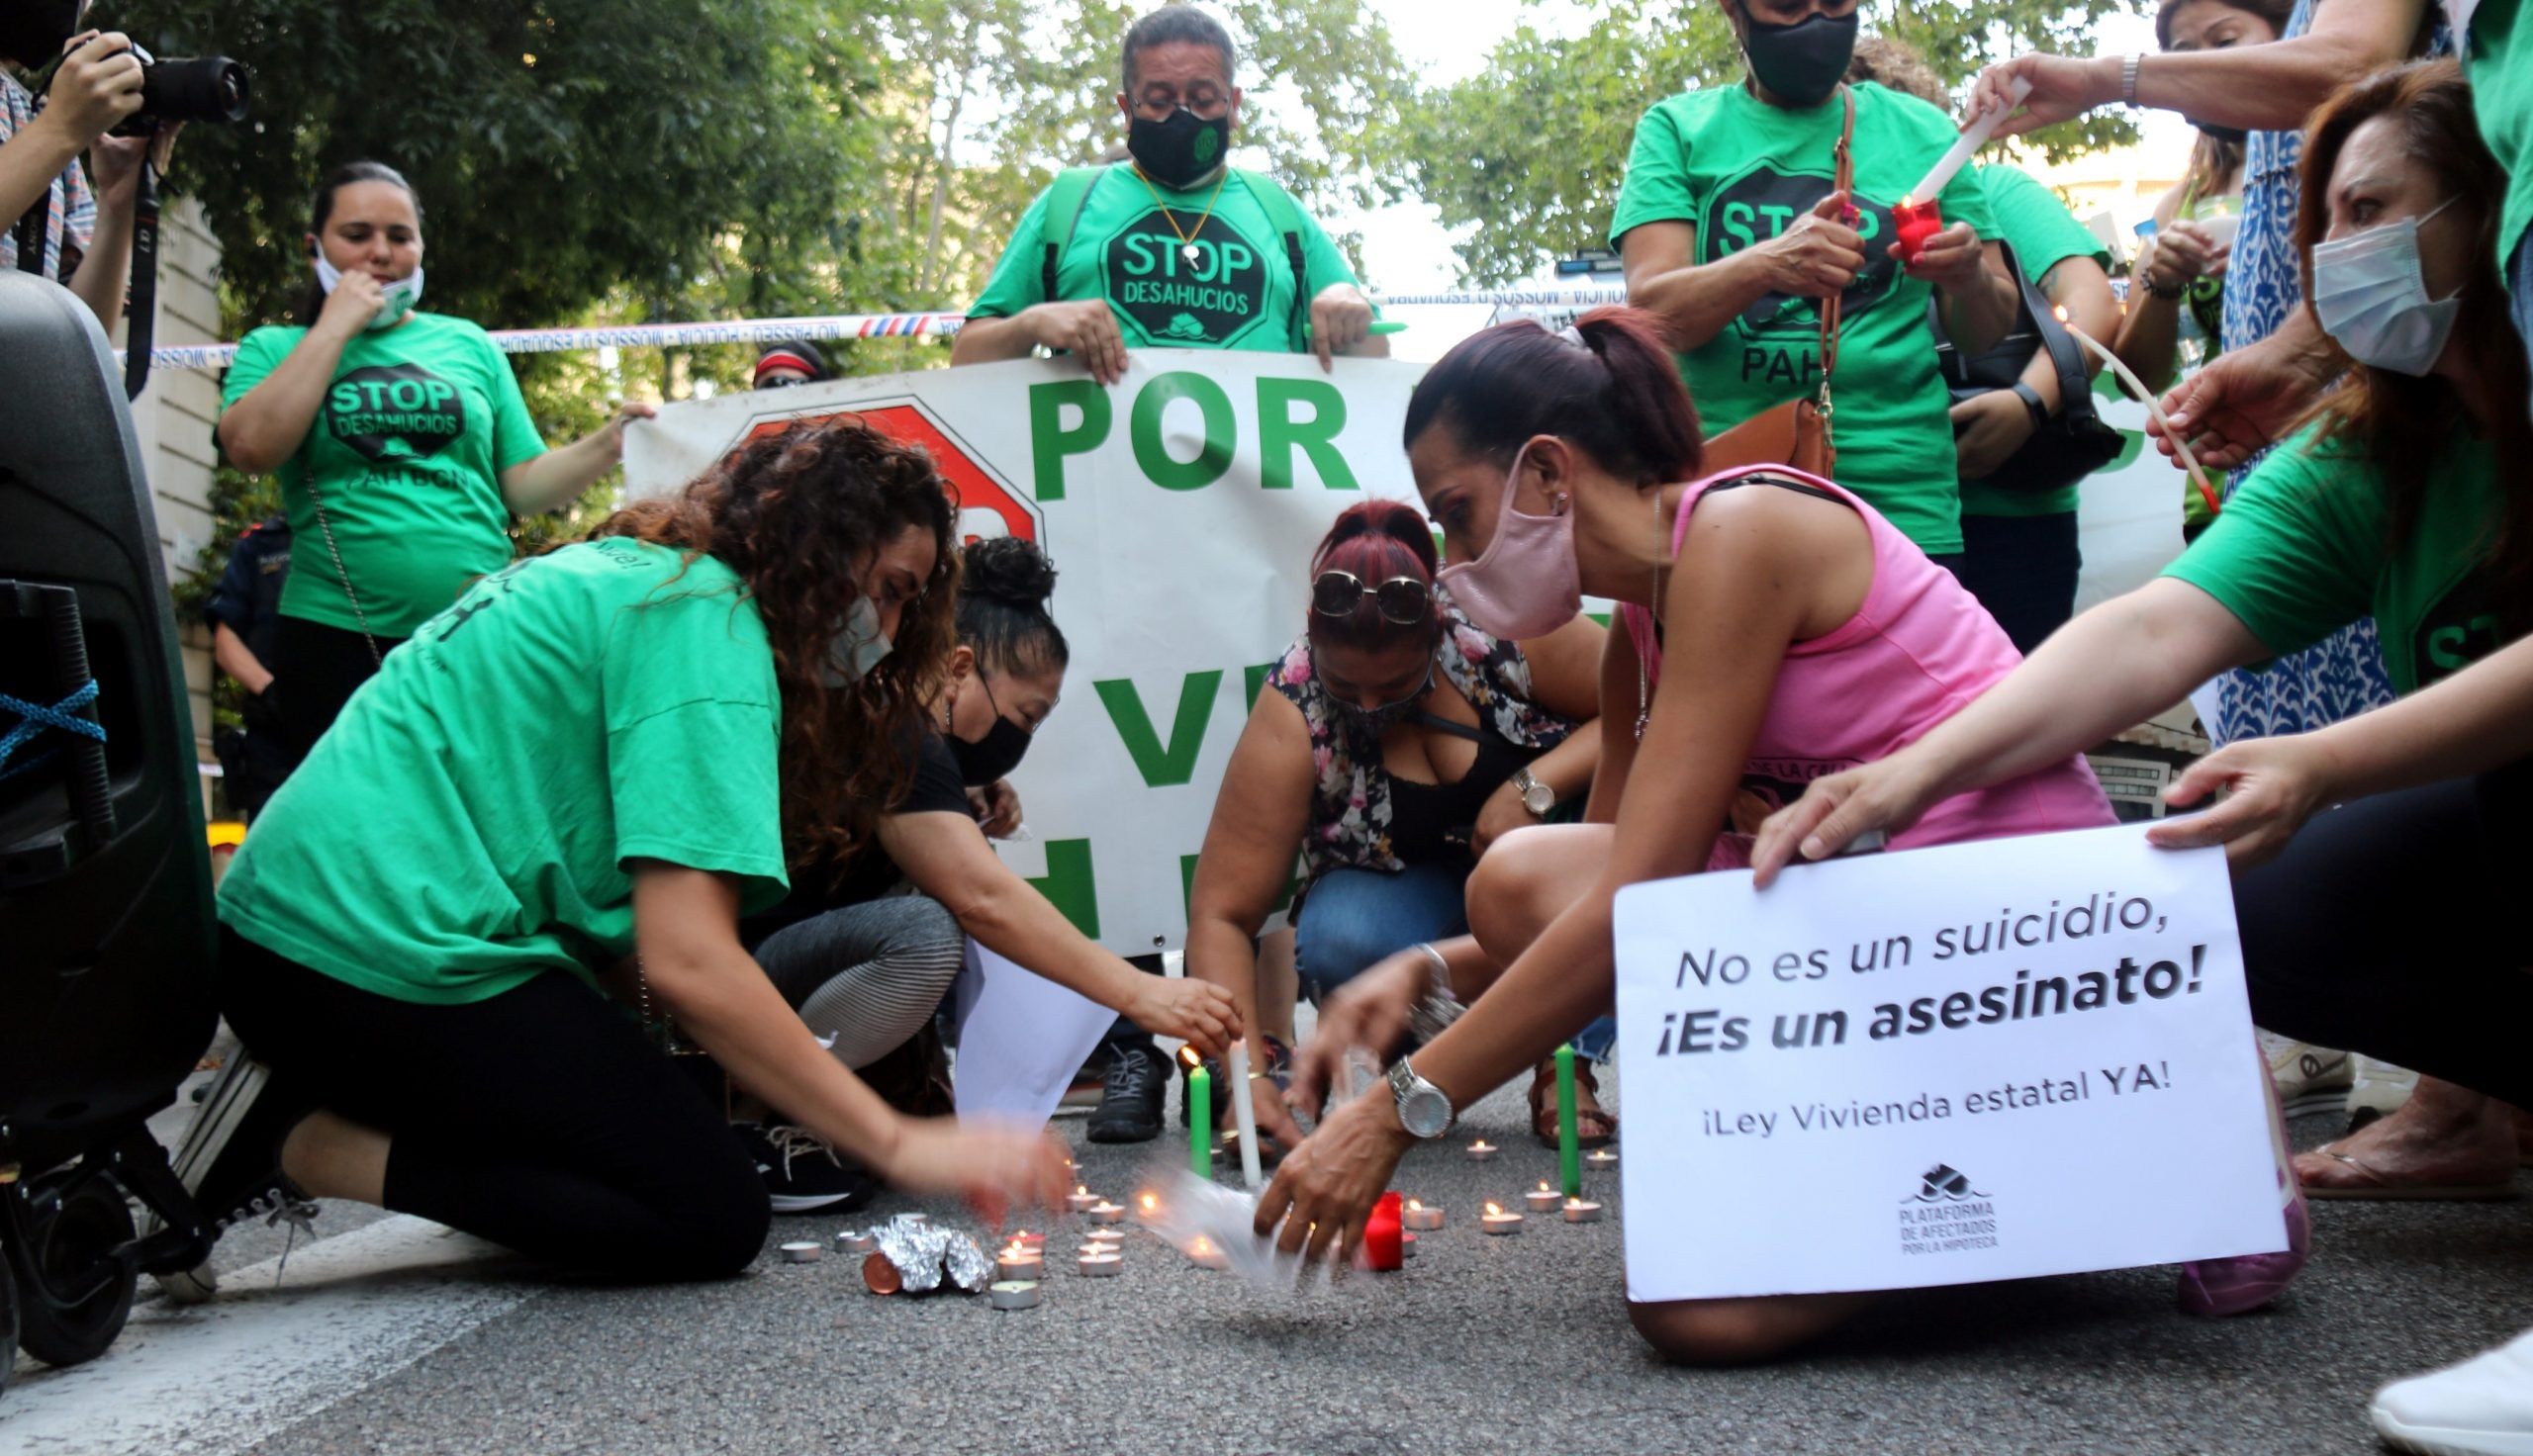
(1594, 1126)
(2358, 1180)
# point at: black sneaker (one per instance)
(231, 1160)
(803, 1173)
(1129, 1108)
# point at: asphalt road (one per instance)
(389, 1336)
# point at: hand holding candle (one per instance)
(1243, 1114)
(1972, 137)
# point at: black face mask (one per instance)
(1179, 148)
(1371, 723)
(993, 756)
(2230, 136)
(1802, 62)
(31, 32)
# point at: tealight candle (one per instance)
(1081, 1200)
(804, 1251)
(1582, 1211)
(851, 1242)
(1105, 1234)
(1104, 1211)
(1407, 1245)
(1496, 1220)
(1542, 1198)
(1100, 1250)
(1601, 1159)
(1100, 1266)
(1481, 1151)
(1030, 1241)
(1016, 1262)
(1014, 1294)
(1206, 1255)
(1417, 1215)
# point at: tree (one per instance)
(1528, 154)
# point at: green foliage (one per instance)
(1528, 154)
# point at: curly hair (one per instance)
(801, 514)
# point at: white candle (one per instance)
(2146, 397)
(1100, 1266)
(1582, 1211)
(1496, 1220)
(1104, 1211)
(851, 1242)
(1972, 137)
(1601, 1158)
(1081, 1199)
(1106, 1236)
(1481, 1151)
(1030, 1241)
(1016, 1262)
(1417, 1216)
(802, 1252)
(1244, 1117)
(1543, 1199)
(1014, 1294)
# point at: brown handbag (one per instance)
(1797, 432)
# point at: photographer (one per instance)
(402, 441)
(95, 87)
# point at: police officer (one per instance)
(244, 611)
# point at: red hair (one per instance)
(1376, 540)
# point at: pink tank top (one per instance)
(1916, 652)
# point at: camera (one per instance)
(211, 89)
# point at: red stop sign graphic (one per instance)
(973, 487)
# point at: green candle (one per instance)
(1200, 1118)
(1570, 1145)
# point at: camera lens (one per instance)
(211, 90)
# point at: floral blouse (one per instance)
(1351, 797)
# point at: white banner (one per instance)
(1981, 1062)
(1179, 506)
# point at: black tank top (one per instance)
(1431, 823)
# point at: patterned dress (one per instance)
(2343, 674)
(1350, 812)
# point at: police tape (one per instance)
(931, 324)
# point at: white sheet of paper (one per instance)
(1021, 1038)
(1947, 1149)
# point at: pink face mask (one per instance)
(1524, 584)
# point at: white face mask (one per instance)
(400, 295)
(856, 647)
(2370, 294)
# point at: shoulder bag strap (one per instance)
(1067, 196)
(2075, 391)
(1845, 172)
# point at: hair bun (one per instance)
(1010, 569)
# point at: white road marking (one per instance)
(219, 1377)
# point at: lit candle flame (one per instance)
(1543, 1185)
(1150, 1203)
(1909, 200)
(1492, 1211)
(2061, 312)
(1188, 1056)
(1202, 1248)
(1081, 1190)
(1413, 1203)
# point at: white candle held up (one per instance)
(1244, 1116)
(1972, 137)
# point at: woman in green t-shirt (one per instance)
(402, 443)
(2389, 502)
(603, 754)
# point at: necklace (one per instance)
(1186, 239)
(1654, 616)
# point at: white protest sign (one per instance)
(1978, 1061)
(1179, 506)
(1021, 1038)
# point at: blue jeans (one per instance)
(1355, 918)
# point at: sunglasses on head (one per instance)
(1403, 601)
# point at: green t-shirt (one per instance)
(407, 448)
(2503, 97)
(2300, 551)
(1236, 294)
(1740, 171)
(465, 825)
(2043, 234)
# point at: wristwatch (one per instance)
(1537, 797)
(2128, 65)
(1424, 1110)
(2032, 401)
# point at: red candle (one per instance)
(1916, 221)
(1381, 1248)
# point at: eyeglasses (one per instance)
(1202, 102)
(1403, 601)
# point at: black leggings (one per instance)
(2390, 926)
(540, 1119)
(319, 669)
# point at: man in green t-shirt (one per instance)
(1732, 232)
(2019, 549)
(1175, 247)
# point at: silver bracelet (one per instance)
(2128, 77)
(1439, 1007)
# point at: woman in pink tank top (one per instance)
(1798, 633)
